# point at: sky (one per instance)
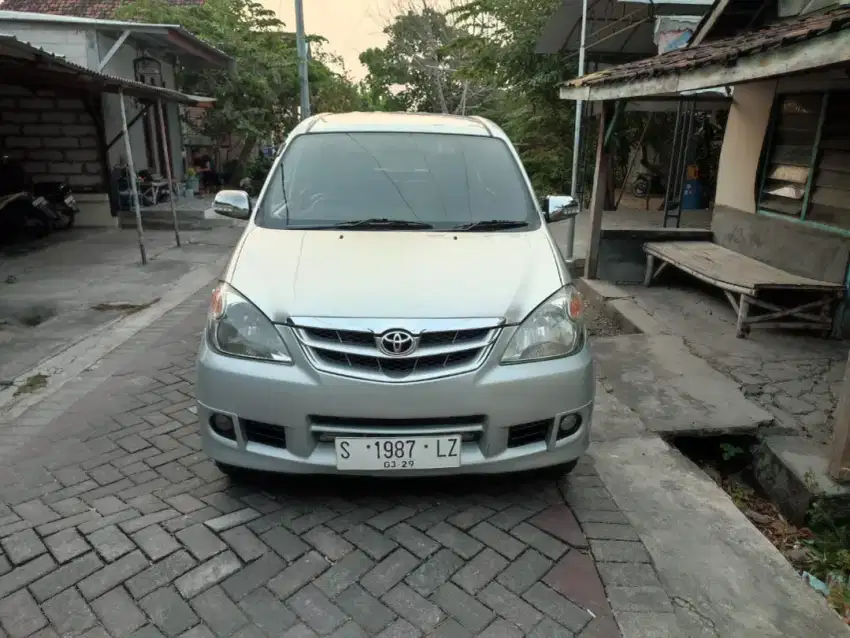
(351, 26)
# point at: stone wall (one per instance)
(53, 135)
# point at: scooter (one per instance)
(14, 180)
(21, 218)
(61, 199)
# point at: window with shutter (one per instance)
(806, 174)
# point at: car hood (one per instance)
(382, 274)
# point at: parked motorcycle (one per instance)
(20, 218)
(53, 200)
(60, 197)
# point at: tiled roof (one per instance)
(77, 8)
(724, 52)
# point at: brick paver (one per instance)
(114, 523)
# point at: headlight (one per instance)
(237, 328)
(554, 329)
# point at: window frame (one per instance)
(813, 166)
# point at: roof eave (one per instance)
(819, 53)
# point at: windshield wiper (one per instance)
(381, 222)
(491, 224)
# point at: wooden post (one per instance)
(839, 463)
(597, 200)
(131, 169)
(166, 149)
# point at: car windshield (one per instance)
(412, 181)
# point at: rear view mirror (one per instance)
(557, 208)
(235, 204)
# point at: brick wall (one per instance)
(54, 136)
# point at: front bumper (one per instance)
(489, 402)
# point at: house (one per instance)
(781, 220)
(146, 53)
(620, 31)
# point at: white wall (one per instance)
(742, 145)
(69, 43)
(121, 65)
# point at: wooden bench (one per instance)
(743, 279)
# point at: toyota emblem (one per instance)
(396, 343)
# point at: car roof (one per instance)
(373, 122)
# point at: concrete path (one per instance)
(673, 391)
(115, 524)
(60, 305)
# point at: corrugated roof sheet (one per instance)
(724, 52)
(20, 60)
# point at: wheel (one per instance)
(640, 187)
(558, 472)
(235, 474)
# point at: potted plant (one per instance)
(192, 182)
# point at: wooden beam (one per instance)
(839, 463)
(112, 50)
(707, 23)
(819, 53)
(597, 201)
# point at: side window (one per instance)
(806, 173)
(829, 200)
(273, 201)
(789, 157)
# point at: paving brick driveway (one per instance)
(114, 523)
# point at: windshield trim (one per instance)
(535, 217)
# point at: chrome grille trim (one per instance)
(349, 348)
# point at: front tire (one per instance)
(234, 473)
(558, 472)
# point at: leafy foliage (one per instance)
(258, 98)
(478, 57)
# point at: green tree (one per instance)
(421, 68)
(258, 99)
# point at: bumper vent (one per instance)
(527, 433)
(264, 433)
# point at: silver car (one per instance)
(395, 306)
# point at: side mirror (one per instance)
(235, 204)
(557, 208)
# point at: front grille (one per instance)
(535, 432)
(265, 433)
(355, 352)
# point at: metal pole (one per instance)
(674, 160)
(301, 41)
(571, 223)
(131, 169)
(167, 152)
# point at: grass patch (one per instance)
(821, 547)
(126, 308)
(33, 383)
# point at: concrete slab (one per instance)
(83, 285)
(673, 391)
(612, 419)
(793, 472)
(725, 576)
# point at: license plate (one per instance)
(70, 201)
(403, 453)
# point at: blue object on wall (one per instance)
(692, 197)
